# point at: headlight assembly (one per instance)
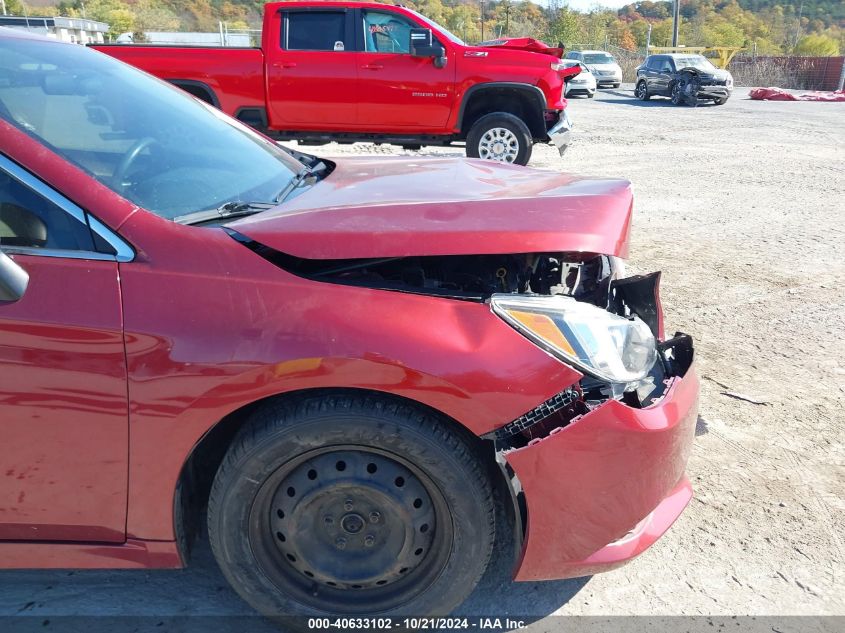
(604, 345)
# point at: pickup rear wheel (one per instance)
(502, 137)
(343, 505)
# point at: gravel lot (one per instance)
(743, 209)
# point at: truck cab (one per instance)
(363, 71)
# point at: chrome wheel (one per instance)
(344, 527)
(499, 144)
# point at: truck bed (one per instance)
(235, 76)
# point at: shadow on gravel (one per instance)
(701, 427)
(199, 600)
(654, 102)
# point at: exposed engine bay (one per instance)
(583, 277)
(466, 277)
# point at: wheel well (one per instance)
(198, 89)
(194, 484)
(516, 101)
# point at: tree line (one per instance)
(770, 27)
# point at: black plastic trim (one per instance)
(199, 85)
(529, 89)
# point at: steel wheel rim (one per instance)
(388, 538)
(499, 144)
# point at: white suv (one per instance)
(602, 64)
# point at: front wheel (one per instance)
(343, 505)
(641, 91)
(677, 95)
(500, 137)
(721, 101)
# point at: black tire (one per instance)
(590, 95)
(414, 529)
(516, 147)
(641, 91)
(721, 101)
(676, 96)
(616, 85)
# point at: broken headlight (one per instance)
(604, 345)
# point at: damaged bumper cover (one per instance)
(602, 489)
(713, 92)
(561, 133)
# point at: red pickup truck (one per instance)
(362, 71)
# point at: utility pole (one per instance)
(648, 40)
(798, 26)
(482, 20)
(676, 19)
(507, 19)
(3, 4)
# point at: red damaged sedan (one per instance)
(339, 365)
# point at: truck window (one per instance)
(386, 33)
(315, 31)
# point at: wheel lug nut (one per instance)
(348, 505)
(340, 543)
(375, 517)
(328, 520)
(369, 540)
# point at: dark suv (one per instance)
(685, 78)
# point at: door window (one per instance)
(29, 220)
(316, 31)
(386, 33)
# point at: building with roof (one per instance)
(73, 30)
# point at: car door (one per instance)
(310, 70)
(63, 401)
(663, 76)
(650, 73)
(397, 90)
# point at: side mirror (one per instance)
(423, 44)
(13, 279)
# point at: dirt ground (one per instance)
(743, 209)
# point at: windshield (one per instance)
(693, 61)
(151, 143)
(437, 27)
(598, 58)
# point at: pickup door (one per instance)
(398, 91)
(311, 69)
(338, 69)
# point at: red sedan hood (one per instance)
(422, 206)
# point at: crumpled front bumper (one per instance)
(561, 133)
(604, 488)
(713, 92)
